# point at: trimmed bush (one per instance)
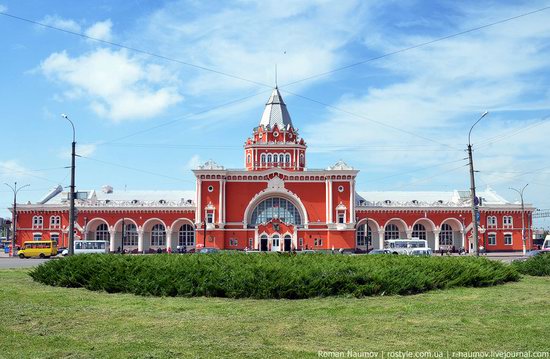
(537, 266)
(263, 276)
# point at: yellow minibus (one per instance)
(42, 249)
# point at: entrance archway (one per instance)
(288, 243)
(263, 243)
(275, 243)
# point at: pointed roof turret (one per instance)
(275, 112)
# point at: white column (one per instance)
(381, 238)
(112, 243)
(436, 235)
(168, 238)
(462, 232)
(351, 207)
(331, 207)
(220, 211)
(409, 233)
(327, 204)
(198, 202)
(140, 240)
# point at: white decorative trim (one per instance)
(273, 192)
(210, 165)
(340, 166)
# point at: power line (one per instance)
(145, 52)
(488, 141)
(418, 45)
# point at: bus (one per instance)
(42, 249)
(546, 245)
(407, 246)
(84, 246)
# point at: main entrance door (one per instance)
(275, 243)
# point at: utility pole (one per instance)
(14, 214)
(204, 237)
(72, 193)
(522, 217)
(473, 197)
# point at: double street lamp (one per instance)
(14, 214)
(522, 217)
(72, 193)
(473, 197)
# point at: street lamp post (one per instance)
(72, 193)
(522, 217)
(473, 188)
(14, 214)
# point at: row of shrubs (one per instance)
(538, 265)
(264, 276)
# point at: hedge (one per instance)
(263, 276)
(538, 265)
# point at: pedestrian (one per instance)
(178, 249)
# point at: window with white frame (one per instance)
(507, 221)
(275, 158)
(158, 235)
(363, 235)
(492, 222)
(341, 217)
(492, 239)
(248, 158)
(391, 232)
(301, 242)
(102, 232)
(209, 217)
(54, 237)
(508, 239)
(302, 160)
(55, 221)
(419, 231)
(287, 158)
(263, 158)
(446, 235)
(269, 158)
(186, 236)
(130, 235)
(37, 236)
(37, 222)
(250, 242)
(282, 158)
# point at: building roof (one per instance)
(428, 198)
(275, 112)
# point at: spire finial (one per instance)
(276, 85)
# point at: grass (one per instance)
(271, 276)
(52, 322)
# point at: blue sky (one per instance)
(402, 120)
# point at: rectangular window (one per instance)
(233, 242)
(508, 239)
(341, 218)
(491, 222)
(210, 218)
(492, 239)
(250, 242)
(301, 242)
(37, 237)
(318, 242)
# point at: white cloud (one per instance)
(65, 24)
(100, 30)
(11, 168)
(86, 149)
(3, 8)
(117, 85)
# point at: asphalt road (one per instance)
(6, 263)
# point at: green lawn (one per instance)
(42, 321)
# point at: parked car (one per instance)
(380, 251)
(420, 252)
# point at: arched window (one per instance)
(275, 158)
(282, 158)
(37, 222)
(102, 232)
(363, 235)
(186, 236)
(158, 235)
(302, 160)
(276, 207)
(391, 232)
(269, 158)
(446, 235)
(248, 159)
(130, 235)
(55, 222)
(263, 157)
(419, 231)
(287, 158)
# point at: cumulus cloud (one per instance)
(117, 86)
(3, 8)
(11, 168)
(194, 162)
(100, 30)
(59, 22)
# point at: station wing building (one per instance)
(275, 203)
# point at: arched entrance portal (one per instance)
(263, 243)
(288, 243)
